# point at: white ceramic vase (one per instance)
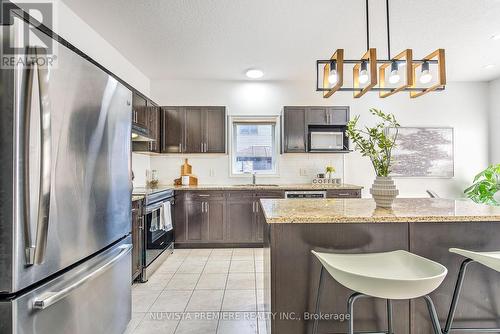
(384, 191)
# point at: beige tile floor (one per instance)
(205, 291)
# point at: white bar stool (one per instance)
(488, 259)
(390, 275)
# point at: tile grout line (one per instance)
(224, 293)
(185, 308)
(158, 296)
(256, 297)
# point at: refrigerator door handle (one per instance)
(50, 298)
(35, 253)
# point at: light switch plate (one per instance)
(303, 172)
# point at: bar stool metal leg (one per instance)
(454, 302)
(433, 315)
(389, 316)
(318, 300)
(350, 310)
(456, 295)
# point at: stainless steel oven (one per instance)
(158, 237)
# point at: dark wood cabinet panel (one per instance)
(240, 220)
(197, 230)
(215, 219)
(172, 130)
(228, 216)
(137, 226)
(139, 110)
(338, 115)
(317, 116)
(180, 225)
(341, 193)
(215, 129)
(154, 128)
(194, 130)
(296, 122)
(294, 130)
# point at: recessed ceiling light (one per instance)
(495, 37)
(489, 66)
(254, 73)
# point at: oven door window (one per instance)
(154, 224)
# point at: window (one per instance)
(254, 146)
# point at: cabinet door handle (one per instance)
(180, 147)
(253, 207)
(203, 195)
(206, 207)
(201, 144)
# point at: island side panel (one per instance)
(479, 303)
(295, 274)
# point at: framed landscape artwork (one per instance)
(423, 152)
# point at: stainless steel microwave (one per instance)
(326, 141)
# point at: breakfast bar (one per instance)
(424, 226)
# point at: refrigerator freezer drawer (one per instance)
(94, 297)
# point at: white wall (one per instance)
(494, 121)
(463, 106)
(72, 28)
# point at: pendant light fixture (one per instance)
(369, 73)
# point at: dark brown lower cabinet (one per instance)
(137, 226)
(226, 217)
(241, 219)
(196, 228)
(199, 219)
(343, 193)
(215, 220)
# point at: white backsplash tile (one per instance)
(214, 169)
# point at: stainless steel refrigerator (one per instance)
(65, 196)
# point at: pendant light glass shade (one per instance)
(333, 77)
(394, 77)
(363, 74)
(425, 75)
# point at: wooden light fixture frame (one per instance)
(407, 55)
(438, 55)
(371, 57)
(338, 57)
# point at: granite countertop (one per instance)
(364, 211)
(301, 186)
(147, 191)
(137, 198)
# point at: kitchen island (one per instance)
(427, 227)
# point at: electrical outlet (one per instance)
(212, 172)
(303, 172)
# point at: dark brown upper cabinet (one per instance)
(296, 121)
(146, 114)
(139, 110)
(193, 129)
(215, 130)
(172, 129)
(294, 130)
(327, 115)
(154, 127)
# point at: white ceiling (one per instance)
(220, 39)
